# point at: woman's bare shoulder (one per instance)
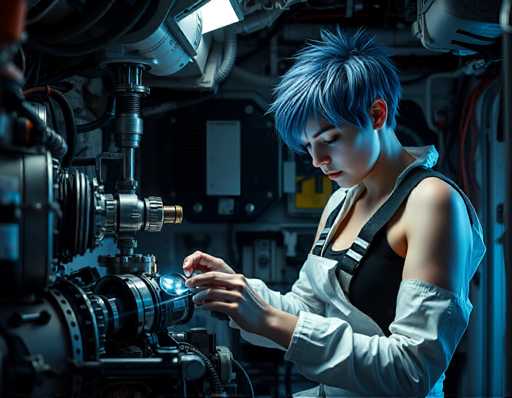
(438, 231)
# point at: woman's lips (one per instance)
(333, 176)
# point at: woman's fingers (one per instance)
(230, 281)
(212, 294)
(201, 261)
(220, 306)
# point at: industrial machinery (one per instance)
(88, 333)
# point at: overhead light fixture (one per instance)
(217, 14)
(213, 14)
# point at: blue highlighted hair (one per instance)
(336, 79)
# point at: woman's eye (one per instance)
(331, 140)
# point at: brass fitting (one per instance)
(173, 214)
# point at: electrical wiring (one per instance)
(488, 99)
(67, 112)
(246, 376)
(467, 110)
(101, 121)
(465, 125)
(23, 60)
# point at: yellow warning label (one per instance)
(309, 197)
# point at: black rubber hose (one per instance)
(67, 112)
(95, 44)
(53, 141)
(214, 377)
(56, 144)
(246, 376)
(101, 121)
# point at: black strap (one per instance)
(319, 244)
(356, 253)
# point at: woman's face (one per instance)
(346, 155)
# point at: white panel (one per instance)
(223, 158)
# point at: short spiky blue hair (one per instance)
(336, 79)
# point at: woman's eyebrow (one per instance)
(320, 131)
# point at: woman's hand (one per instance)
(230, 294)
(199, 261)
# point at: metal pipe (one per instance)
(128, 164)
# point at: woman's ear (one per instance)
(379, 113)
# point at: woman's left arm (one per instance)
(431, 315)
(439, 235)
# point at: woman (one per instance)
(382, 300)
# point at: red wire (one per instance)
(466, 115)
(470, 111)
(462, 160)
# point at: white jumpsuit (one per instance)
(340, 347)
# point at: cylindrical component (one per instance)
(128, 122)
(40, 318)
(26, 245)
(9, 221)
(154, 214)
(56, 343)
(129, 129)
(126, 243)
(192, 366)
(128, 164)
(133, 264)
(131, 213)
(173, 214)
(110, 214)
(83, 206)
(128, 104)
(142, 305)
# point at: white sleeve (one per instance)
(300, 298)
(428, 325)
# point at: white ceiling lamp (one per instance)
(217, 14)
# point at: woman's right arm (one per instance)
(301, 297)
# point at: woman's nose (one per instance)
(320, 159)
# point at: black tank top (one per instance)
(373, 288)
(371, 270)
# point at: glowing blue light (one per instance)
(173, 284)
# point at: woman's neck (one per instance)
(393, 159)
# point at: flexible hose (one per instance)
(53, 141)
(67, 112)
(214, 377)
(261, 20)
(228, 59)
(246, 376)
(101, 121)
(56, 144)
